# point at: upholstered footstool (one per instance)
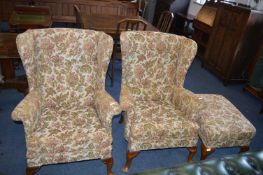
(222, 125)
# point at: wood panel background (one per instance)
(63, 11)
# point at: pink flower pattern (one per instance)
(150, 79)
(164, 114)
(67, 113)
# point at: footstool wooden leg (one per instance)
(109, 163)
(32, 170)
(243, 149)
(130, 156)
(192, 152)
(206, 151)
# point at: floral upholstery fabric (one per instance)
(67, 140)
(28, 111)
(189, 103)
(222, 124)
(154, 63)
(154, 66)
(67, 113)
(151, 121)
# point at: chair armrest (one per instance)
(28, 110)
(106, 107)
(187, 102)
(126, 100)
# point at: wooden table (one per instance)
(25, 17)
(8, 53)
(108, 23)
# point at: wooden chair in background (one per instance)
(123, 25)
(165, 21)
(79, 23)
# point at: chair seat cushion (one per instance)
(63, 140)
(222, 124)
(158, 125)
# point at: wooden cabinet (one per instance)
(235, 37)
(172, 6)
(63, 11)
(255, 76)
(203, 24)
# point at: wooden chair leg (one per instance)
(32, 170)
(206, 151)
(243, 149)
(192, 152)
(130, 156)
(109, 163)
(112, 71)
(122, 118)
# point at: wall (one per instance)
(149, 10)
(258, 6)
(194, 8)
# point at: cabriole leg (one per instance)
(130, 156)
(206, 151)
(192, 152)
(109, 163)
(32, 170)
(243, 149)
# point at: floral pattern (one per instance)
(154, 78)
(188, 102)
(154, 66)
(217, 112)
(154, 118)
(67, 113)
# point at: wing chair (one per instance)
(67, 113)
(157, 109)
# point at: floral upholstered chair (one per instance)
(157, 109)
(67, 114)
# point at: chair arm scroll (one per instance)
(28, 110)
(126, 100)
(106, 108)
(187, 102)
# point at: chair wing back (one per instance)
(66, 65)
(154, 62)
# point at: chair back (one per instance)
(130, 24)
(79, 23)
(165, 21)
(67, 65)
(154, 62)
